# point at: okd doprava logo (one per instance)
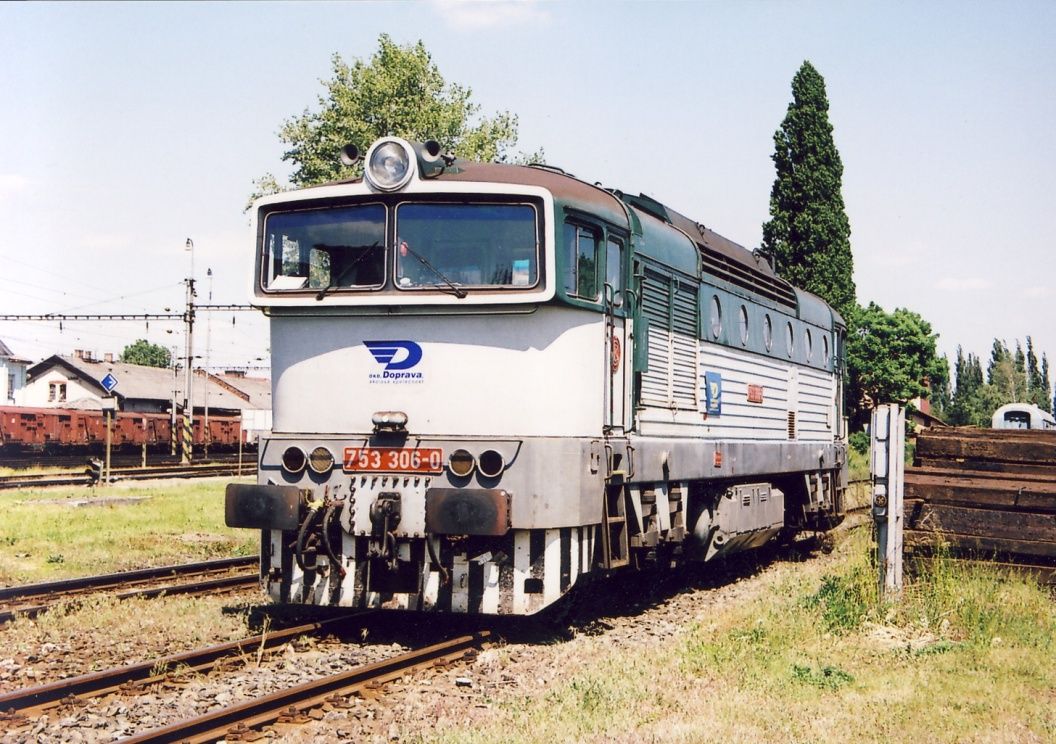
(397, 359)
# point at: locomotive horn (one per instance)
(350, 154)
(431, 161)
(430, 152)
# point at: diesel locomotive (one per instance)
(493, 382)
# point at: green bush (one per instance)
(859, 442)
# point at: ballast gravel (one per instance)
(529, 658)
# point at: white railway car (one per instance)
(492, 382)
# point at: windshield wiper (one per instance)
(336, 280)
(456, 290)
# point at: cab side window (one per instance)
(614, 268)
(581, 261)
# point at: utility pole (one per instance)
(188, 319)
(173, 428)
(208, 333)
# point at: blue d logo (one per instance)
(388, 353)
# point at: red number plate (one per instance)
(394, 460)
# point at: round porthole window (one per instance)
(743, 325)
(768, 333)
(790, 340)
(716, 316)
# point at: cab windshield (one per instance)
(466, 245)
(323, 248)
(387, 247)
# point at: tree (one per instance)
(892, 357)
(1038, 390)
(145, 353)
(966, 405)
(808, 233)
(399, 92)
(1046, 390)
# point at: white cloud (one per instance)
(11, 183)
(1036, 292)
(962, 284)
(474, 15)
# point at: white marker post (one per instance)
(888, 448)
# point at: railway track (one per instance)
(290, 705)
(117, 459)
(206, 577)
(80, 478)
(239, 719)
(32, 701)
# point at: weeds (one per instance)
(826, 678)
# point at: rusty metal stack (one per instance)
(991, 492)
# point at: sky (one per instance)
(127, 128)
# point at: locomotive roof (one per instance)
(721, 256)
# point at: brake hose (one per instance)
(331, 510)
(445, 578)
(313, 510)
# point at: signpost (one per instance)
(888, 448)
(109, 404)
(109, 383)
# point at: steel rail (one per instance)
(149, 473)
(293, 701)
(63, 462)
(32, 701)
(66, 589)
(123, 578)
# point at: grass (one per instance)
(966, 654)
(62, 532)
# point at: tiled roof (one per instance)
(145, 383)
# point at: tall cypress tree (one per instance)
(808, 233)
(1047, 400)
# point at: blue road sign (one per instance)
(109, 382)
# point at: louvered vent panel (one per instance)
(791, 424)
(671, 309)
(656, 381)
(685, 372)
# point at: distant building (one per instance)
(255, 391)
(12, 375)
(77, 382)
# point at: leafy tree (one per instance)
(966, 404)
(808, 233)
(1002, 373)
(1038, 390)
(892, 358)
(399, 92)
(939, 391)
(1011, 377)
(145, 353)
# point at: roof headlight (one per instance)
(389, 165)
